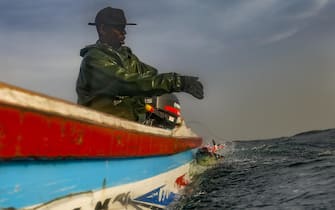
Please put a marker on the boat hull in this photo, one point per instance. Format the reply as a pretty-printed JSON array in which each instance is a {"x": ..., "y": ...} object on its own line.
[
  {"x": 35, "y": 134},
  {"x": 59, "y": 155},
  {"x": 40, "y": 127},
  {"x": 82, "y": 184}
]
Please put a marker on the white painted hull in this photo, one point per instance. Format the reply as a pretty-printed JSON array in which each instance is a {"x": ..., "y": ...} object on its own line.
[{"x": 144, "y": 194}]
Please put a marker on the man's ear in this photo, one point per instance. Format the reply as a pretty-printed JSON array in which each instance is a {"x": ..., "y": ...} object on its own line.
[{"x": 101, "y": 29}]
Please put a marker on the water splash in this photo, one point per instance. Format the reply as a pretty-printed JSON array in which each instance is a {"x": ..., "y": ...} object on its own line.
[{"x": 295, "y": 172}]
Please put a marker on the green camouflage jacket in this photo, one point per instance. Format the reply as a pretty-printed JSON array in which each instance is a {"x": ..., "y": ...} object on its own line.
[{"x": 116, "y": 81}]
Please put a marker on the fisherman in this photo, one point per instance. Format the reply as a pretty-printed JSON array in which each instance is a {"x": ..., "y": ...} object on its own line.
[{"x": 113, "y": 80}]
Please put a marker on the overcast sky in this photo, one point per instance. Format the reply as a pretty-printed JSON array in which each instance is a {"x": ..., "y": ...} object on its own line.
[{"x": 267, "y": 65}]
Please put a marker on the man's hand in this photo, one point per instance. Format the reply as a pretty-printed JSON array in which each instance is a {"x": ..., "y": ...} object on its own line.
[{"x": 192, "y": 86}]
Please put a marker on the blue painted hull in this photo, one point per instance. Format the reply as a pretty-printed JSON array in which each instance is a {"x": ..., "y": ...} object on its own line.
[{"x": 31, "y": 182}]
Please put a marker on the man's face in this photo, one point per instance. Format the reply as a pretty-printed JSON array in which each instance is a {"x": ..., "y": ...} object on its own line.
[{"x": 113, "y": 35}]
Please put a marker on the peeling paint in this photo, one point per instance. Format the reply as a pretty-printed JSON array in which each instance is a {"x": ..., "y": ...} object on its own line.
[
  {"x": 65, "y": 189},
  {"x": 3, "y": 200},
  {"x": 2, "y": 132},
  {"x": 18, "y": 151},
  {"x": 17, "y": 188},
  {"x": 104, "y": 183},
  {"x": 79, "y": 140}
]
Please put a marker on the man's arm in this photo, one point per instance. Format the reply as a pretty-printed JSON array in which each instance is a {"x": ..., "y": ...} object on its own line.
[
  {"x": 136, "y": 65},
  {"x": 108, "y": 76}
]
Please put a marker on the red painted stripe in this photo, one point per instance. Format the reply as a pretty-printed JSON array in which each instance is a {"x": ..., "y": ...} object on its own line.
[{"x": 29, "y": 133}]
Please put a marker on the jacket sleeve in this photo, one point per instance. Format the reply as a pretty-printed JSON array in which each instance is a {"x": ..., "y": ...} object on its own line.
[
  {"x": 136, "y": 65},
  {"x": 108, "y": 77}
]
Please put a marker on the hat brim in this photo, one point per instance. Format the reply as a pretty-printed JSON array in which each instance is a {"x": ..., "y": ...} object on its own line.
[{"x": 115, "y": 24}]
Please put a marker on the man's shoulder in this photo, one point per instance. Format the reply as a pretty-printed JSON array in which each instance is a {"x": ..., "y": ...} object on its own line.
[
  {"x": 125, "y": 50},
  {"x": 97, "y": 50},
  {"x": 86, "y": 49}
]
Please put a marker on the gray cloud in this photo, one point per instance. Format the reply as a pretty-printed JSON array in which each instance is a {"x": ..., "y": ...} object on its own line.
[{"x": 258, "y": 59}]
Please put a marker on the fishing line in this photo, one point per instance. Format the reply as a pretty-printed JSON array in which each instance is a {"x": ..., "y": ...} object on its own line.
[{"x": 209, "y": 131}]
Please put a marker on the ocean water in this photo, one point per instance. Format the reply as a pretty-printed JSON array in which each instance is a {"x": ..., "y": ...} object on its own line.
[{"x": 295, "y": 172}]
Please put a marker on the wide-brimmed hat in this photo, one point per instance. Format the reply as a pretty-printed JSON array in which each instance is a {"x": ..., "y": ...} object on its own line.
[{"x": 111, "y": 16}]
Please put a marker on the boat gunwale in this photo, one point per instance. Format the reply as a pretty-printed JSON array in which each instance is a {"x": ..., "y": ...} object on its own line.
[{"x": 29, "y": 100}]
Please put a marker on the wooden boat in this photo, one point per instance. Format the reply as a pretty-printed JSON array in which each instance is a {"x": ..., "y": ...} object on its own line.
[{"x": 59, "y": 155}]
